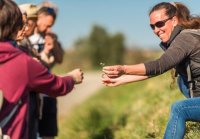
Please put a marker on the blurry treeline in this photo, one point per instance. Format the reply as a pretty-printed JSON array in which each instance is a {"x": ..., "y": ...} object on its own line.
[{"x": 100, "y": 46}]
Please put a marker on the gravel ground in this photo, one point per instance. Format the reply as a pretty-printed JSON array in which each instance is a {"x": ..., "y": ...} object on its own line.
[{"x": 91, "y": 83}]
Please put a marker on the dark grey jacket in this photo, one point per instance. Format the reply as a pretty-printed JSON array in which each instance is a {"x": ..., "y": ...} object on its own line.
[{"x": 183, "y": 46}]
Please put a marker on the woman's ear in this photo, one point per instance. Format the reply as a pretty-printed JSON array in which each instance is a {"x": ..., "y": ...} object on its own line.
[{"x": 175, "y": 21}]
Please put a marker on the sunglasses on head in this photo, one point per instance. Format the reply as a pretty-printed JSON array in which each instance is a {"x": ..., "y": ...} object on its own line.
[
  {"x": 50, "y": 10},
  {"x": 159, "y": 24}
]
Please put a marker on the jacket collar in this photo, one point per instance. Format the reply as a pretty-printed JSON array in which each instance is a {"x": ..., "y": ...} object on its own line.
[{"x": 175, "y": 32}]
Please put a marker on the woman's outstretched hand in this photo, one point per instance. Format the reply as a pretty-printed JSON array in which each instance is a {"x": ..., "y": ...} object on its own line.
[
  {"x": 114, "y": 71},
  {"x": 123, "y": 79}
]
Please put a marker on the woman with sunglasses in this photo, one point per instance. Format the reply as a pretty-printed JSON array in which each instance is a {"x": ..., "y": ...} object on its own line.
[{"x": 170, "y": 22}]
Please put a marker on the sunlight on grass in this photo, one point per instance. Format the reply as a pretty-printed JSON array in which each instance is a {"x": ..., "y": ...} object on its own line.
[{"x": 135, "y": 111}]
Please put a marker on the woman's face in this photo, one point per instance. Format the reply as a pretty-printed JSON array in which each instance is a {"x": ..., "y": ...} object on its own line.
[
  {"x": 21, "y": 33},
  {"x": 162, "y": 25},
  {"x": 31, "y": 23}
]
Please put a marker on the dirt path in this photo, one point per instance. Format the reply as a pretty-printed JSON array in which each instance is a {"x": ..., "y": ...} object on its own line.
[{"x": 91, "y": 83}]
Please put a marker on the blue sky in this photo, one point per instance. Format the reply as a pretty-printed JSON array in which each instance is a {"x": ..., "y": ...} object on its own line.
[{"x": 76, "y": 18}]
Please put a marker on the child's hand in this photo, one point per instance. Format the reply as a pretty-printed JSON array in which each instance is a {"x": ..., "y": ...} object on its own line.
[{"x": 77, "y": 75}]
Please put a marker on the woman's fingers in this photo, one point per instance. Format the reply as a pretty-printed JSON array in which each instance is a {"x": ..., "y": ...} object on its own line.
[
  {"x": 109, "y": 81},
  {"x": 113, "y": 71}
]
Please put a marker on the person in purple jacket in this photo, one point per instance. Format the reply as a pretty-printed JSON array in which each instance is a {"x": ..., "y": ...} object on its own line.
[{"x": 21, "y": 74}]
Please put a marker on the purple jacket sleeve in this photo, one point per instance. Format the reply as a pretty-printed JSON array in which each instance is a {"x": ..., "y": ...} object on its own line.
[{"x": 41, "y": 80}]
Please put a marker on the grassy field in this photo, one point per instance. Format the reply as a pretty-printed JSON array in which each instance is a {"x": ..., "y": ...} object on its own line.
[{"x": 134, "y": 111}]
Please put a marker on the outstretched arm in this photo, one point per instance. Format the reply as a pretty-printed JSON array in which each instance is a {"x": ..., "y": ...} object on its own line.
[
  {"x": 123, "y": 79},
  {"x": 118, "y": 70}
]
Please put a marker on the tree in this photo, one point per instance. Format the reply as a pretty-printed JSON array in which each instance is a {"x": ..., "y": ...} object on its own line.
[
  {"x": 98, "y": 41},
  {"x": 100, "y": 46},
  {"x": 117, "y": 49}
]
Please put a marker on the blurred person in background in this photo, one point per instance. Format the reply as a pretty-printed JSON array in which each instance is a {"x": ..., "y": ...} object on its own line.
[
  {"x": 31, "y": 12},
  {"x": 179, "y": 33},
  {"x": 45, "y": 19},
  {"x": 48, "y": 52},
  {"x": 51, "y": 54},
  {"x": 41, "y": 19},
  {"x": 21, "y": 33},
  {"x": 21, "y": 74},
  {"x": 25, "y": 45}
]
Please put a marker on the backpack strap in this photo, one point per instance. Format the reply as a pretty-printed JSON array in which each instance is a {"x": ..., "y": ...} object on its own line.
[
  {"x": 1, "y": 99},
  {"x": 7, "y": 119},
  {"x": 4, "y": 121},
  {"x": 191, "y": 82}
]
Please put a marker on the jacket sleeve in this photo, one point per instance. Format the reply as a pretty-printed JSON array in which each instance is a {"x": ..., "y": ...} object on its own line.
[
  {"x": 42, "y": 81},
  {"x": 179, "y": 50}
]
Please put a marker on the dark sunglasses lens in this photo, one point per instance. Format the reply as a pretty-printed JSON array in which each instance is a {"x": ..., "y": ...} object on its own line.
[
  {"x": 160, "y": 24},
  {"x": 152, "y": 26}
]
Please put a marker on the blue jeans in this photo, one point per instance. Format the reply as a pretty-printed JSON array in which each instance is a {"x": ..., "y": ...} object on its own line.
[{"x": 182, "y": 111}]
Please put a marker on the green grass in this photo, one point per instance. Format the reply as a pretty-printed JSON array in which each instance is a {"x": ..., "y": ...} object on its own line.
[{"x": 134, "y": 111}]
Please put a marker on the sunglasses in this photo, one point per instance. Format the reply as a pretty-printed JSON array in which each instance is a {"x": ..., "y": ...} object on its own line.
[
  {"x": 159, "y": 24},
  {"x": 50, "y": 10}
]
